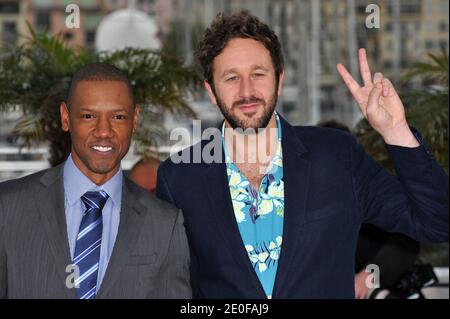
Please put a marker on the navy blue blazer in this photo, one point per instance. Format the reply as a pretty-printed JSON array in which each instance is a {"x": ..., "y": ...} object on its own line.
[{"x": 332, "y": 186}]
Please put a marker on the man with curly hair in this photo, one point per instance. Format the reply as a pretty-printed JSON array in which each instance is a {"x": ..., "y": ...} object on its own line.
[{"x": 278, "y": 215}]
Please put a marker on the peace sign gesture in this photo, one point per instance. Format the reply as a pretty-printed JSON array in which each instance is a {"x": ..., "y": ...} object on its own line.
[{"x": 379, "y": 103}]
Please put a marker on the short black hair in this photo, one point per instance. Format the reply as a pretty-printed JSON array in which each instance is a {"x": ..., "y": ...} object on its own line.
[
  {"x": 98, "y": 72},
  {"x": 226, "y": 27}
]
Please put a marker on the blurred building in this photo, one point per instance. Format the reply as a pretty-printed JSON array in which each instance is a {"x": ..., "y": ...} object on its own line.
[
  {"x": 12, "y": 21},
  {"x": 316, "y": 35},
  {"x": 50, "y": 15}
]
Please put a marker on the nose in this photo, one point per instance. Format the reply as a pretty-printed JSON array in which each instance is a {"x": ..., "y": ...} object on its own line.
[
  {"x": 246, "y": 89},
  {"x": 103, "y": 129}
]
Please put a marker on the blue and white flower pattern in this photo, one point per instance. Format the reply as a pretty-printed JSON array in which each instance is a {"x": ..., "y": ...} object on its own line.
[{"x": 259, "y": 215}]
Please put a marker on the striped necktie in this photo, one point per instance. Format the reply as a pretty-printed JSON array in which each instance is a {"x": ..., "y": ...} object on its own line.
[{"x": 87, "y": 247}]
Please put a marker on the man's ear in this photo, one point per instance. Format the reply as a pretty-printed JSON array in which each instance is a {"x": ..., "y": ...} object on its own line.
[
  {"x": 211, "y": 95},
  {"x": 137, "y": 109},
  {"x": 280, "y": 82},
  {"x": 64, "y": 113}
]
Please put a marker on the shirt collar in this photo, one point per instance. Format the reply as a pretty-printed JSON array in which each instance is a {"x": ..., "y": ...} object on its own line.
[{"x": 76, "y": 184}]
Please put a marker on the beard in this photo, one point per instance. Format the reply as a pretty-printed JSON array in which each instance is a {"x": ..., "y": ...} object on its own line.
[{"x": 250, "y": 121}]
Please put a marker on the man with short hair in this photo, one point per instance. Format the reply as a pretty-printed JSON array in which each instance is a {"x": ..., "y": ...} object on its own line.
[
  {"x": 278, "y": 214},
  {"x": 82, "y": 229}
]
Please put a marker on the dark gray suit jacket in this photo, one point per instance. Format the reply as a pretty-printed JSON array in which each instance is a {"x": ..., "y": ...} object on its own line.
[{"x": 150, "y": 258}]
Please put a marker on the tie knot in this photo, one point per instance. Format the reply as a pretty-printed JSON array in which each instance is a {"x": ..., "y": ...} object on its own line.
[{"x": 95, "y": 199}]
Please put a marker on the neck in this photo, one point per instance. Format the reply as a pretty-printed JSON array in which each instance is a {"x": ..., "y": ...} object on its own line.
[
  {"x": 100, "y": 179},
  {"x": 97, "y": 178},
  {"x": 256, "y": 148}
]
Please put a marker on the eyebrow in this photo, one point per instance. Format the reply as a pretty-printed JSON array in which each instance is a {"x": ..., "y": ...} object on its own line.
[
  {"x": 260, "y": 67},
  {"x": 254, "y": 67},
  {"x": 84, "y": 109}
]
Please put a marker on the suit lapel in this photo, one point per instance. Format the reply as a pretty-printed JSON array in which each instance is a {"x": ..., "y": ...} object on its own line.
[
  {"x": 296, "y": 178},
  {"x": 129, "y": 229},
  {"x": 49, "y": 201},
  {"x": 220, "y": 205}
]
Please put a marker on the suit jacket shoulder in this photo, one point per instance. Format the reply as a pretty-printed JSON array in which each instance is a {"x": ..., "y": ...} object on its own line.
[
  {"x": 19, "y": 191},
  {"x": 22, "y": 184}
]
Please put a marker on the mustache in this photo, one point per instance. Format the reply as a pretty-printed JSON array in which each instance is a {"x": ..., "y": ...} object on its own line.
[{"x": 250, "y": 100}]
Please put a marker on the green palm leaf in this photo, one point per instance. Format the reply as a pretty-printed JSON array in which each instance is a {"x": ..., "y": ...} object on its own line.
[{"x": 35, "y": 78}]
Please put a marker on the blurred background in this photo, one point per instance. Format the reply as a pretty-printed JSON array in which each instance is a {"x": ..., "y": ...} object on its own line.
[{"x": 42, "y": 45}]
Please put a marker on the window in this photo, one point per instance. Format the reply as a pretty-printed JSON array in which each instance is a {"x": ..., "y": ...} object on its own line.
[
  {"x": 443, "y": 26},
  {"x": 410, "y": 9},
  {"x": 90, "y": 38},
  {"x": 406, "y": 7},
  {"x": 43, "y": 20},
  {"x": 443, "y": 45},
  {"x": 68, "y": 36},
  {"x": 9, "y": 26},
  {"x": 389, "y": 26},
  {"x": 9, "y": 34},
  {"x": 9, "y": 7},
  {"x": 360, "y": 9}
]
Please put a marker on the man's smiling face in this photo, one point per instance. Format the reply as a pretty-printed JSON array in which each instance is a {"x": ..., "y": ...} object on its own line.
[
  {"x": 245, "y": 85},
  {"x": 101, "y": 120}
]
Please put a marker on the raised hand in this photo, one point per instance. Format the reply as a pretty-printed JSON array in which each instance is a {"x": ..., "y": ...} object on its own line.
[{"x": 379, "y": 103}]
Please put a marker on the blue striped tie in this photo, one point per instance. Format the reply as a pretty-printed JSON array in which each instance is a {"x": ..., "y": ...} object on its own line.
[{"x": 87, "y": 247}]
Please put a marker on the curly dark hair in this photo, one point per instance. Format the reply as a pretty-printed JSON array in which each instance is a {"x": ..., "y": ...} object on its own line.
[{"x": 238, "y": 25}]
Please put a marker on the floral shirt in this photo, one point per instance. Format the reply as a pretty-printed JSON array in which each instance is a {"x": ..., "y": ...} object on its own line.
[{"x": 260, "y": 213}]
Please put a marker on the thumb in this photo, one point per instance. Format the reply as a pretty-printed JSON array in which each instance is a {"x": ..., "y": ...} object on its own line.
[{"x": 374, "y": 97}]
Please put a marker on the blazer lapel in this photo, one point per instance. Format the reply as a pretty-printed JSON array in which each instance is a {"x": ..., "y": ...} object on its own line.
[
  {"x": 221, "y": 206},
  {"x": 49, "y": 201},
  {"x": 296, "y": 177},
  {"x": 129, "y": 228}
]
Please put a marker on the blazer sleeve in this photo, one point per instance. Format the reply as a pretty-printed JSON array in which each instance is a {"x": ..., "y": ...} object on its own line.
[
  {"x": 162, "y": 188},
  {"x": 414, "y": 202},
  {"x": 174, "y": 278},
  {"x": 3, "y": 261},
  {"x": 163, "y": 192}
]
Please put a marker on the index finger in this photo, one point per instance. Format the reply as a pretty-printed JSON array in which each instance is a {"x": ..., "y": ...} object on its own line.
[{"x": 352, "y": 85}]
